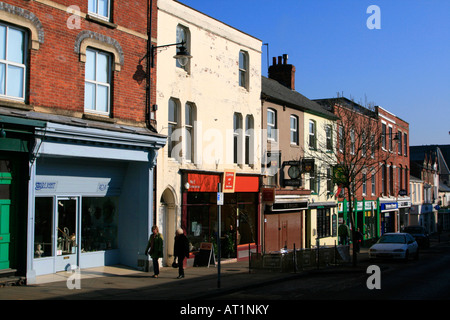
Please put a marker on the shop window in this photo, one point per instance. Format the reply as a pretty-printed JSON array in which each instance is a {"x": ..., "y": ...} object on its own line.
[
  {"x": 323, "y": 223},
  {"x": 99, "y": 224},
  {"x": 12, "y": 62},
  {"x": 43, "y": 227}
]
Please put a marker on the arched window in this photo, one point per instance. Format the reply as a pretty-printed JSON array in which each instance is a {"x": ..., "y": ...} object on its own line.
[
  {"x": 249, "y": 140},
  {"x": 243, "y": 69}
]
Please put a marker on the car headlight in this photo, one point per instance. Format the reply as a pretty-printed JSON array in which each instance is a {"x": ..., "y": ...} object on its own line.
[{"x": 399, "y": 250}]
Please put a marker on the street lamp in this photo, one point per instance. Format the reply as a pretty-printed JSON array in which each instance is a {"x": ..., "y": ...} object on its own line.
[{"x": 182, "y": 55}]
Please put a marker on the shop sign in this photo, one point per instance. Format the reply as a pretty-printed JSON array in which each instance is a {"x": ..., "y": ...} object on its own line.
[
  {"x": 202, "y": 182},
  {"x": 229, "y": 181},
  {"x": 389, "y": 206},
  {"x": 290, "y": 206}
]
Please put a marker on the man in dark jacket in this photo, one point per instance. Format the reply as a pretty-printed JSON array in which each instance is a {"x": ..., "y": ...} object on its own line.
[{"x": 181, "y": 250}]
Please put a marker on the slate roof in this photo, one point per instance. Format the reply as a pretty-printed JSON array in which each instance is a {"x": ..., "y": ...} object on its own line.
[{"x": 273, "y": 91}]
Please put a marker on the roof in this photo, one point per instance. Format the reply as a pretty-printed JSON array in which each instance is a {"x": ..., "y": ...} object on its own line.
[
  {"x": 273, "y": 91},
  {"x": 347, "y": 103},
  {"x": 40, "y": 117},
  {"x": 417, "y": 154}
]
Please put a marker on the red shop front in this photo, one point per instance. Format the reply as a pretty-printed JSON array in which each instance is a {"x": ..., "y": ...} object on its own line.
[{"x": 240, "y": 213}]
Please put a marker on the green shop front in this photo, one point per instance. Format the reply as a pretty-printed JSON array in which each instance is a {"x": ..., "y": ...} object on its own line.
[
  {"x": 366, "y": 213},
  {"x": 16, "y": 152}
]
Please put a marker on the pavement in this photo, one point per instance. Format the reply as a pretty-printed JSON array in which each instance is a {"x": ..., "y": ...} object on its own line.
[{"x": 200, "y": 283}]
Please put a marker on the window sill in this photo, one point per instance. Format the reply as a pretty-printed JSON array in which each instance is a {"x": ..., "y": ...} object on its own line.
[
  {"x": 105, "y": 23},
  {"x": 4, "y": 102},
  {"x": 97, "y": 117}
]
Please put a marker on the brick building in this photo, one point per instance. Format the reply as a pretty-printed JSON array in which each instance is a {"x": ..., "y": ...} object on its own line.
[
  {"x": 377, "y": 141},
  {"x": 78, "y": 147}
]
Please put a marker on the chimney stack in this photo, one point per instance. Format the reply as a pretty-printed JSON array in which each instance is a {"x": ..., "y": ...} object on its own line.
[{"x": 283, "y": 72}]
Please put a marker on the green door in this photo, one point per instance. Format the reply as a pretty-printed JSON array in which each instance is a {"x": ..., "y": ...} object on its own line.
[{"x": 5, "y": 203}]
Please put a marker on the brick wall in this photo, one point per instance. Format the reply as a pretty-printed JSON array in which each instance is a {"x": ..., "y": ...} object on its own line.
[{"x": 56, "y": 75}]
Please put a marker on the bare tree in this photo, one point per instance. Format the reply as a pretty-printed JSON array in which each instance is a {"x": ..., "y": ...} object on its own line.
[{"x": 356, "y": 139}]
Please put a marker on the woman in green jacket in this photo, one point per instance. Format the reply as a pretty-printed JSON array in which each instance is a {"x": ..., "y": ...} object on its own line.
[{"x": 155, "y": 249}]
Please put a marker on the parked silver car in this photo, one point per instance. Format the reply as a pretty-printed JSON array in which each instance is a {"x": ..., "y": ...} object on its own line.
[{"x": 394, "y": 246}]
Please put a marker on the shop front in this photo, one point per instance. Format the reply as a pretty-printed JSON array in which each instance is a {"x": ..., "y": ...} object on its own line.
[
  {"x": 90, "y": 196},
  {"x": 388, "y": 217},
  {"x": 366, "y": 217},
  {"x": 284, "y": 221},
  {"x": 239, "y": 223}
]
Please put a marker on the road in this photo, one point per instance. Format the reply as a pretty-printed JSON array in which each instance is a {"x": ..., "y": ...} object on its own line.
[{"x": 425, "y": 279}]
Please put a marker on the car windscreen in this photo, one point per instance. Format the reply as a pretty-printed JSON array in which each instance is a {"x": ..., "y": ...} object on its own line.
[
  {"x": 392, "y": 238},
  {"x": 414, "y": 230}
]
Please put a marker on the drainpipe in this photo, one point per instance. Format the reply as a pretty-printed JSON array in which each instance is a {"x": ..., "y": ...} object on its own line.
[{"x": 148, "y": 104}]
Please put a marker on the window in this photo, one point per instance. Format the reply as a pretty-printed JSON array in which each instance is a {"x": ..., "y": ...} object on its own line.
[
  {"x": 243, "y": 69},
  {"x": 97, "y": 83},
  {"x": 294, "y": 130},
  {"x": 271, "y": 125},
  {"x": 329, "y": 180},
  {"x": 391, "y": 148},
  {"x": 183, "y": 35},
  {"x": 173, "y": 123},
  {"x": 391, "y": 179},
  {"x": 383, "y": 179},
  {"x": 374, "y": 191},
  {"x": 312, "y": 134},
  {"x": 189, "y": 119},
  {"x": 323, "y": 223},
  {"x": 341, "y": 139},
  {"x": 363, "y": 145},
  {"x": 12, "y": 62},
  {"x": 364, "y": 183},
  {"x": 352, "y": 142},
  {"x": 329, "y": 138},
  {"x": 237, "y": 132},
  {"x": 405, "y": 144},
  {"x": 383, "y": 136},
  {"x": 249, "y": 136},
  {"x": 313, "y": 181},
  {"x": 100, "y": 8},
  {"x": 400, "y": 143},
  {"x": 372, "y": 146}
]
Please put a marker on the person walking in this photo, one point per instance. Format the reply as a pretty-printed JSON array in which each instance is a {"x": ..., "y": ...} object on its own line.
[
  {"x": 181, "y": 250},
  {"x": 155, "y": 249}
]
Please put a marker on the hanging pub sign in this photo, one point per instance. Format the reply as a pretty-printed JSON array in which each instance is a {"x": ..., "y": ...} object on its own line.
[
  {"x": 308, "y": 166},
  {"x": 338, "y": 175}
]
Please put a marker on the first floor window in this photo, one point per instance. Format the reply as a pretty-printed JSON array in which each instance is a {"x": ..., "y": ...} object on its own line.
[
  {"x": 294, "y": 130},
  {"x": 100, "y": 8},
  {"x": 12, "y": 62},
  {"x": 97, "y": 82}
]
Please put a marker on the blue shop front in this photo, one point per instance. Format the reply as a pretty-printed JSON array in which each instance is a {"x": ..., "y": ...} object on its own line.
[{"x": 90, "y": 197}]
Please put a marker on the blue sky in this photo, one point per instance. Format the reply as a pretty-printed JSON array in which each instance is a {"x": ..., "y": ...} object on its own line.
[{"x": 403, "y": 67}]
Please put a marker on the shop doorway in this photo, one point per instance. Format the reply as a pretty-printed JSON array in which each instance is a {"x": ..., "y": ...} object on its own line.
[{"x": 66, "y": 234}]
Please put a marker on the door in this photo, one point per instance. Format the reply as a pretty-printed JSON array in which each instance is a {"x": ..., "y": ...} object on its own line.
[
  {"x": 5, "y": 204},
  {"x": 66, "y": 234}
]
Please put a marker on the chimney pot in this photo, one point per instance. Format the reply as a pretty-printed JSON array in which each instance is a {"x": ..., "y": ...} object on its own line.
[
  {"x": 279, "y": 60},
  {"x": 285, "y": 58}
]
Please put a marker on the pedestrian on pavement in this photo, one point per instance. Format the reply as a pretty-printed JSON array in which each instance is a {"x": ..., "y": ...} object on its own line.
[
  {"x": 181, "y": 250},
  {"x": 344, "y": 233},
  {"x": 155, "y": 249},
  {"x": 357, "y": 241}
]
